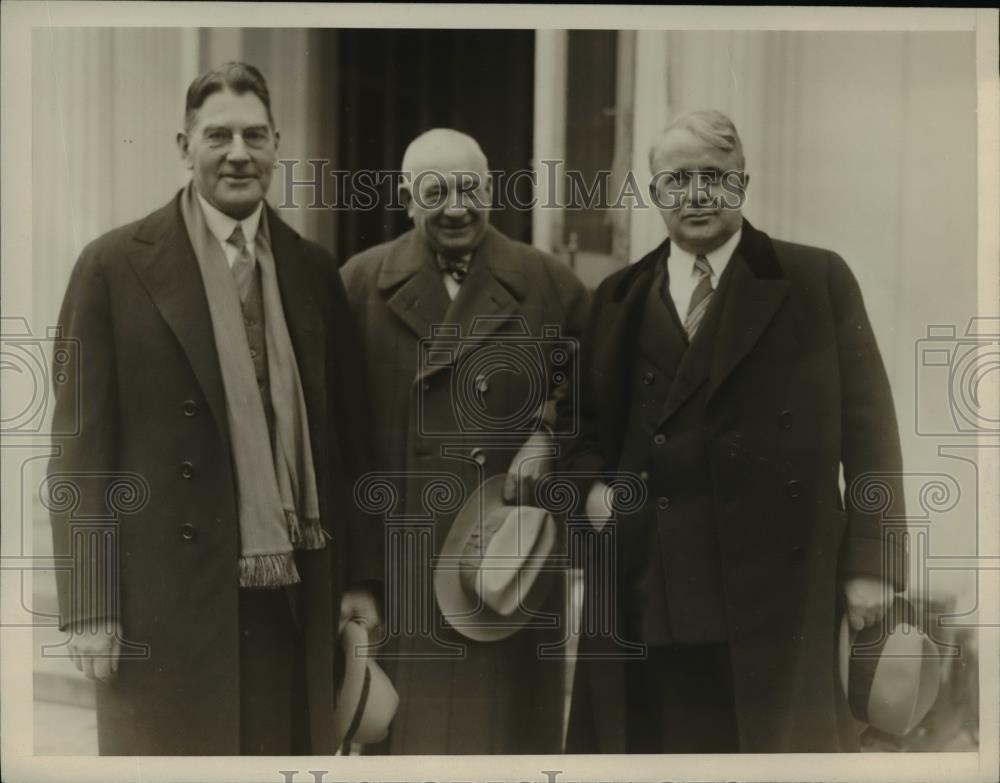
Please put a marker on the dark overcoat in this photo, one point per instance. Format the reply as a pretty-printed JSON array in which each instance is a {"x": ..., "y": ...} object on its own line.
[
  {"x": 442, "y": 424},
  {"x": 794, "y": 389},
  {"x": 152, "y": 416}
]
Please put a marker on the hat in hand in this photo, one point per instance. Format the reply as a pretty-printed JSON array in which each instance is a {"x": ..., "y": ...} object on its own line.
[
  {"x": 491, "y": 571},
  {"x": 366, "y": 701},
  {"x": 890, "y": 671}
]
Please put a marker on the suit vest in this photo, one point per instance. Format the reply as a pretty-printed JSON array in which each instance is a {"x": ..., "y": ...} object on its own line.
[{"x": 669, "y": 552}]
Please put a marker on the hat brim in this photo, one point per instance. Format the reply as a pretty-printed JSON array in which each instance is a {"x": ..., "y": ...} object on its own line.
[
  {"x": 366, "y": 701},
  {"x": 468, "y": 614},
  {"x": 894, "y": 688}
]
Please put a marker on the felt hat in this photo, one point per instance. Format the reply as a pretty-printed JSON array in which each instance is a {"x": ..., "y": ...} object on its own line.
[
  {"x": 491, "y": 572},
  {"x": 366, "y": 700},
  {"x": 890, "y": 671}
]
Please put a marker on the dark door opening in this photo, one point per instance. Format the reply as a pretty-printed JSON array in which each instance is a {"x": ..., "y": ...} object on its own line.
[{"x": 395, "y": 84}]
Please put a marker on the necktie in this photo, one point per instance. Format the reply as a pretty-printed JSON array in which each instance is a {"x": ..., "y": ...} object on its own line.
[
  {"x": 242, "y": 268},
  {"x": 458, "y": 268},
  {"x": 700, "y": 297}
]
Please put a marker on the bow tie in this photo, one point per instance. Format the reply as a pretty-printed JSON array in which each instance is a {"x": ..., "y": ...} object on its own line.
[{"x": 458, "y": 268}]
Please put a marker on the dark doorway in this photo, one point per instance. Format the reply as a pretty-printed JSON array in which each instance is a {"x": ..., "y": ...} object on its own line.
[{"x": 395, "y": 84}]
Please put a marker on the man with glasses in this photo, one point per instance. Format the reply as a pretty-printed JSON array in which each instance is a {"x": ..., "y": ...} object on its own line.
[
  {"x": 214, "y": 344},
  {"x": 460, "y": 324},
  {"x": 734, "y": 375}
]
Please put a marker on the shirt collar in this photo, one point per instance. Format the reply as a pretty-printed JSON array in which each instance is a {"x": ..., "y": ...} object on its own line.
[
  {"x": 717, "y": 259},
  {"x": 221, "y": 225},
  {"x": 464, "y": 256}
]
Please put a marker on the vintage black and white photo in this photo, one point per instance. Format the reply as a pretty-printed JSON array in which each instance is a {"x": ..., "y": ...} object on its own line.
[{"x": 496, "y": 390}]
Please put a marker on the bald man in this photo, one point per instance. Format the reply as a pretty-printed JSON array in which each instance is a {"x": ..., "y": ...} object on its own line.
[{"x": 458, "y": 695}]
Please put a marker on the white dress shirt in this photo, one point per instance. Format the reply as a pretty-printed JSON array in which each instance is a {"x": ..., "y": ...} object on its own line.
[
  {"x": 684, "y": 278},
  {"x": 221, "y": 226}
]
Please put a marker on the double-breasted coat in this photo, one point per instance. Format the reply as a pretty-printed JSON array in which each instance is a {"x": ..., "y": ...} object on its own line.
[
  {"x": 793, "y": 388},
  {"x": 151, "y": 421},
  {"x": 446, "y": 396}
]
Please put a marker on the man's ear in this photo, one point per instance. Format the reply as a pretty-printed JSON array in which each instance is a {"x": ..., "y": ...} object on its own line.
[
  {"x": 277, "y": 138},
  {"x": 405, "y": 196},
  {"x": 184, "y": 145}
]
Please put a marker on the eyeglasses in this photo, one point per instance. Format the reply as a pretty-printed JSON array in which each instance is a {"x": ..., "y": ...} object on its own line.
[
  {"x": 256, "y": 137},
  {"x": 665, "y": 181},
  {"x": 671, "y": 188}
]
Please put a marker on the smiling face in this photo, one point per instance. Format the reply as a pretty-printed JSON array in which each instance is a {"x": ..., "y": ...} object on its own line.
[
  {"x": 700, "y": 216},
  {"x": 231, "y": 149},
  {"x": 449, "y": 192}
]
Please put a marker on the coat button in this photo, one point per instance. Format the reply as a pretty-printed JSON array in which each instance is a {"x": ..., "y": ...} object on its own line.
[
  {"x": 659, "y": 439},
  {"x": 797, "y": 552},
  {"x": 648, "y": 378},
  {"x": 793, "y": 488},
  {"x": 785, "y": 420},
  {"x": 253, "y": 353},
  {"x": 188, "y": 532},
  {"x": 663, "y": 504},
  {"x": 426, "y": 386},
  {"x": 190, "y": 407},
  {"x": 644, "y": 475},
  {"x": 187, "y": 470}
]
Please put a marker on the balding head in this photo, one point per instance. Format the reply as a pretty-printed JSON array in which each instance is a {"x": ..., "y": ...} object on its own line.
[
  {"x": 443, "y": 150},
  {"x": 447, "y": 191}
]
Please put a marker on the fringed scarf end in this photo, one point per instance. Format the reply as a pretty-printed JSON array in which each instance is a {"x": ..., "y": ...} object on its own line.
[
  {"x": 274, "y": 570},
  {"x": 305, "y": 533}
]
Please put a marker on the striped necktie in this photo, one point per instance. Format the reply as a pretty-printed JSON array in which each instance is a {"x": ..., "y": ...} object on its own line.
[
  {"x": 700, "y": 297},
  {"x": 243, "y": 265}
]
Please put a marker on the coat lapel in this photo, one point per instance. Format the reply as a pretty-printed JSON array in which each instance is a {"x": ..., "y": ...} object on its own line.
[
  {"x": 489, "y": 297},
  {"x": 421, "y": 300},
  {"x": 302, "y": 312},
  {"x": 611, "y": 364},
  {"x": 750, "y": 291},
  {"x": 661, "y": 338},
  {"x": 757, "y": 289},
  {"x": 164, "y": 260}
]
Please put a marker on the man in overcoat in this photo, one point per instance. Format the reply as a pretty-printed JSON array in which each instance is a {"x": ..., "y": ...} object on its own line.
[
  {"x": 734, "y": 376},
  {"x": 436, "y": 307},
  {"x": 216, "y": 380}
]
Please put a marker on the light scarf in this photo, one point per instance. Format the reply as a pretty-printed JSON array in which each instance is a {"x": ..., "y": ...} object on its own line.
[{"x": 276, "y": 488}]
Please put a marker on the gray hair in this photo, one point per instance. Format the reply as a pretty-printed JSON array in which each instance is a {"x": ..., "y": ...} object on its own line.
[{"x": 709, "y": 125}]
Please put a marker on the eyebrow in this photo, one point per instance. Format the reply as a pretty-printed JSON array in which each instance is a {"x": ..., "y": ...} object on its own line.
[{"x": 260, "y": 126}]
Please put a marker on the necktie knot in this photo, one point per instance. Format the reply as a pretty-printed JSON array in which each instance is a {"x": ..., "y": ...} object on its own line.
[
  {"x": 458, "y": 268},
  {"x": 702, "y": 267},
  {"x": 243, "y": 265},
  {"x": 237, "y": 239}
]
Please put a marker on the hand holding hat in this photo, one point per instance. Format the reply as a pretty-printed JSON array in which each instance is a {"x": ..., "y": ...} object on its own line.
[
  {"x": 530, "y": 465},
  {"x": 890, "y": 672}
]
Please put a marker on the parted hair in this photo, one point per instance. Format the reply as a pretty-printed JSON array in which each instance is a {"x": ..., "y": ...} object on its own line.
[
  {"x": 236, "y": 77},
  {"x": 709, "y": 125}
]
